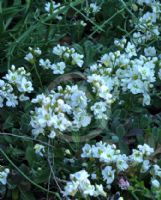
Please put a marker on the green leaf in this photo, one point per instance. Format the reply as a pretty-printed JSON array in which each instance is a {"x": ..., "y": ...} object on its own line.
[
  {"x": 8, "y": 123},
  {"x": 120, "y": 131},
  {"x": 116, "y": 113},
  {"x": 123, "y": 147},
  {"x": 25, "y": 123},
  {"x": 42, "y": 176},
  {"x": 76, "y": 138},
  {"x": 30, "y": 155}
]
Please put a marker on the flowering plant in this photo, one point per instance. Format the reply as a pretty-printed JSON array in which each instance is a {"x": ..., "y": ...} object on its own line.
[{"x": 80, "y": 99}]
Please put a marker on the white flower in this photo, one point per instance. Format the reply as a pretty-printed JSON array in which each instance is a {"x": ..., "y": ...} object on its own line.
[
  {"x": 81, "y": 175},
  {"x": 53, "y": 8},
  {"x": 4, "y": 175},
  {"x": 46, "y": 64},
  {"x": 2, "y": 83},
  {"x": 25, "y": 85},
  {"x": 148, "y": 2},
  {"x": 36, "y": 130},
  {"x": 137, "y": 156},
  {"x": 155, "y": 183},
  {"x": 87, "y": 189},
  {"x": 22, "y": 97},
  {"x": 81, "y": 119},
  {"x": 37, "y": 51},
  {"x": 146, "y": 99},
  {"x": 52, "y": 134},
  {"x": 107, "y": 59},
  {"x": 120, "y": 43},
  {"x": 39, "y": 149},
  {"x": 146, "y": 149},
  {"x": 100, "y": 191},
  {"x": 94, "y": 7},
  {"x": 138, "y": 38},
  {"x": 78, "y": 98},
  {"x": 94, "y": 67},
  {"x": 130, "y": 50},
  {"x": 11, "y": 100},
  {"x": 86, "y": 151},
  {"x": 145, "y": 166},
  {"x": 83, "y": 23},
  {"x": 29, "y": 57},
  {"x": 136, "y": 86},
  {"x": 58, "y": 68},
  {"x": 60, "y": 122},
  {"x": 105, "y": 93},
  {"x": 93, "y": 176},
  {"x": 71, "y": 188},
  {"x": 59, "y": 50},
  {"x": 108, "y": 174},
  {"x": 102, "y": 86},
  {"x": 157, "y": 170},
  {"x": 121, "y": 162},
  {"x": 77, "y": 59},
  {"x": 100, "y": 110},
  {"x": 120, "y": 198},
  {"x": 150, "y": 51}
]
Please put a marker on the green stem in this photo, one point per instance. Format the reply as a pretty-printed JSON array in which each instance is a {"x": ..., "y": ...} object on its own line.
[
  {"x": 24, "y": 175},
  {"x": 26, "y": 138},
  {"x": 38, "y": 75}
]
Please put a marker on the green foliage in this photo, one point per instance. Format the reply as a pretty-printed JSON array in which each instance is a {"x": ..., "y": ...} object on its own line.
[{"x": 24, "y": 24}]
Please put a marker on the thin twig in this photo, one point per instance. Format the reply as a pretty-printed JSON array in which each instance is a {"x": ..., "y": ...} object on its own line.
[{"x": 24, "y": 175}]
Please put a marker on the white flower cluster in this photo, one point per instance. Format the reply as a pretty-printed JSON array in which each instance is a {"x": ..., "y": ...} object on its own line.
[
  {"x": 101, "y": 85},
  {"x": 116, "y": 162},
  {"x": 100, "y": 110},
  {"x": 150, "y": 51},
  {"x": 57, "y": 68},
  {"x": 3, "y": 176},
  {"x": 123, "y": 70},
  {"x": 148, "y": 24},
  {"x": 80, "y": 183},
  {"x": 59, "y": 111},
  {"x": 69, "y": 54},
  {"x": 140, "y": 155},
  {"x": 32, "y": 54},
  {"x": 66, "y": 55},
  {"x": 14, "y": 86},
  {"x": 92, "y": 9},
  {"x": 147, "y": 2},
  {"x": 156, "y": 179},
  {"x": 54, "y": 8},
  {"x": 139, "y": 77}
]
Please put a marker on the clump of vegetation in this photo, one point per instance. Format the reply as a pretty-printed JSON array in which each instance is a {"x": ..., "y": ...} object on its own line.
[{"x": 80, "y": 108}]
